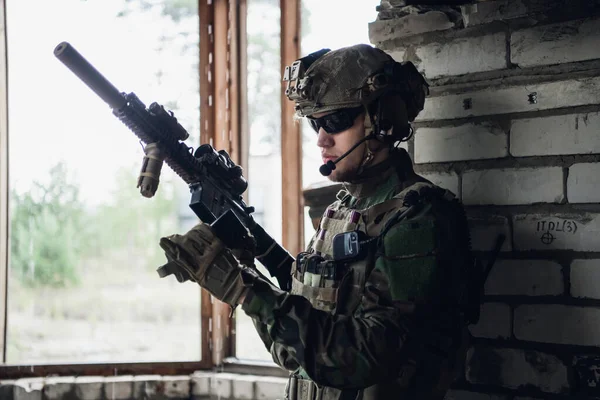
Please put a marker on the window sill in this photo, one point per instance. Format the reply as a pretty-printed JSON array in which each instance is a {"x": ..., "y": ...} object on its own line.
[{"x": 196, "y": 386}]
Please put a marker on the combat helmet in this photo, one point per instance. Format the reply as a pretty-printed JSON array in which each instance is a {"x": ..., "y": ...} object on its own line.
[{"x": 359, "y": 76}]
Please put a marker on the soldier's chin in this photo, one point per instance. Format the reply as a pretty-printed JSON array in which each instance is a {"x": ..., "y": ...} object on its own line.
[{"x": 339, "y": 176}]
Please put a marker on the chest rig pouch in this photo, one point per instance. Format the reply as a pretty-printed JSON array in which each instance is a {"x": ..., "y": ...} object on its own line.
[
  {"x": 350, "y": 246},
  {"x": 331, "y": 274}
]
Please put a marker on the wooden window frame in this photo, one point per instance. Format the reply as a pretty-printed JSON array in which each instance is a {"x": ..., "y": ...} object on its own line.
[
  {"x": 223, "y": 113},
  {"x": 291, "y": 135},
  {"x": 3, "y": 182},
  {"x": 219, "y": 74}
]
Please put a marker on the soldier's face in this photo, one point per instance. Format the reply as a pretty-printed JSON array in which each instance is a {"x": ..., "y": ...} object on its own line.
[{"x": 334, "y": 145}]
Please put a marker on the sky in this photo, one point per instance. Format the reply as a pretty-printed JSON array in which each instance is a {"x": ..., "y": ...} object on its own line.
[{"x": 338, "y": 23}]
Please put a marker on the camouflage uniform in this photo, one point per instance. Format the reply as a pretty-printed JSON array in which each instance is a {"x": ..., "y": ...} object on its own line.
[
  {"x": 389, "y": 323},
  {"x": 388, "y": 326}
]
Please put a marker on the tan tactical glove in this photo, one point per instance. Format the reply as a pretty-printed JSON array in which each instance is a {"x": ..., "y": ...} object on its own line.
[{"x": 203, "y": 256}]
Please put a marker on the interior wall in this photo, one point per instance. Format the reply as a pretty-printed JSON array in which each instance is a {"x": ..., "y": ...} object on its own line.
[{"x": 511, "y": 126}]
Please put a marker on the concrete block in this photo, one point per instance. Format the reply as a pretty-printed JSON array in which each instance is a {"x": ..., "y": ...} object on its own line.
[
  {"x": 177, "y": 387},
  {"x": 557, "y": 323},
  {"x": 527, "y": 398},
  {"x": 560, "y": 134},
  {"x": 513, "y": 99},
  {"x": 473, "y": 141},
  {"x": 21, "y": 393},
  {"x": 583, "y": 182},
  {"x": 525, "y": 278},
  {"x": 200, "y": 385},
  {"x": 7, "y": 388},
  {"x": 118, "y": 387},
  {"x": 564, "y": 42},
  {"x": 485, "y": 229},
  {"x": 89, "y": 387},
  {"x": 464, "y": 395},
  {"x": 243, "y": 387},
  {"x": 397, "y": 55},
  {"x": 59, "y": 388},
  {"x": 536, "y": 11},
  {"x": 409, "y": 25},
  {"x": 585, "y": 279},
  {"x": 516, "y": 368},
  {"x": 462, "y": 56},
  {"x": 22, "y": 389},
  {"x": 270, "y": 388},
  {"x": 444, "y": 180},
  {"x": 147, "y": 386},
  {"x": 494, "y": 322},
  {"x": 221, "y": 385},
  {"x": 513, "y": 186},
  {"x": 490, "y": 11},
  {"x": 577, "y": 232},
  {"x": 587, "y": 370}
]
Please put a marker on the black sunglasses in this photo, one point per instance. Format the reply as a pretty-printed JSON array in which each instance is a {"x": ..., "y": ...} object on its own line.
[{"x": 336, "y": 122}]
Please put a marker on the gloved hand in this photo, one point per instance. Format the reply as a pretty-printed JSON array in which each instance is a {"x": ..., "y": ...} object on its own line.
[{"x": 205, "y": 259}]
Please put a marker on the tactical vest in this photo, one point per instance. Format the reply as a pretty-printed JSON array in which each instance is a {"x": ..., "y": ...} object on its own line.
[{"x": 338, "y": 289}]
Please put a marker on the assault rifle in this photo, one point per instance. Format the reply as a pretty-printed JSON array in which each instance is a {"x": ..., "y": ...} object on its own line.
[{"x": 215, "y": 181}]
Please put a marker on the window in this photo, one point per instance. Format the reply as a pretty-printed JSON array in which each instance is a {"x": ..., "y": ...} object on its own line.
[{"x": 83, "y": 241}]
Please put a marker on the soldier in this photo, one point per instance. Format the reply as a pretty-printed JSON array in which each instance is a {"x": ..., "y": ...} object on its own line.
[{"x": 378, "y": 305}]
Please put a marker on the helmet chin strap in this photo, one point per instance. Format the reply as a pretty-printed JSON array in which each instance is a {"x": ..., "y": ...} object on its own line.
[
  {"x": 367, "y": 159},
  {"x": 368, "y": 154}
]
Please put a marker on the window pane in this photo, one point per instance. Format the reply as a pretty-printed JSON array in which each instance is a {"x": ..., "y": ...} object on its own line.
[
  {"x": 319, "y": 30},
  {"x": 84, "y": 242},
  {"x": 264, "y": 120}
]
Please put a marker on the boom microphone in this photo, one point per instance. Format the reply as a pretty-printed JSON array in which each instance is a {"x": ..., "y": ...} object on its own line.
[{"x": 329, "y": 166}]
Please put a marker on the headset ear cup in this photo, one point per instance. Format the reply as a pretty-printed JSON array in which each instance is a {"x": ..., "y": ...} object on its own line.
[{"x": 394, "y": 119}]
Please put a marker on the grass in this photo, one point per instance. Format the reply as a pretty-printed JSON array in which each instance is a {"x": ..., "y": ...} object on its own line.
[{"x": 121, "y": 312}]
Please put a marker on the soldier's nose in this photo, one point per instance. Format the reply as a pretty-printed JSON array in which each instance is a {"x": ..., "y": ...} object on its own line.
[{"x": 324, "y": 139}]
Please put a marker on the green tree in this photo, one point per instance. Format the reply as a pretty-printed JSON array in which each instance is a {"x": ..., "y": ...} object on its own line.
[
  {"x": 48, "y": 231},
  {"x": 129, "y": 222}
]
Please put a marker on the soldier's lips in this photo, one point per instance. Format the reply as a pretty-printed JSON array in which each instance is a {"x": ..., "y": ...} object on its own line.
[{"x": 328, "y": 158}]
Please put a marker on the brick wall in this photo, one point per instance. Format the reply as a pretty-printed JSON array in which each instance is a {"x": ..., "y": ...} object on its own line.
[{"x": 512, "y": 126}]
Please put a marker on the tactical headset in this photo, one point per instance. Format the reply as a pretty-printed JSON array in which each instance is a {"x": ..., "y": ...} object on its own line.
[{"x": 392, "y": 97}]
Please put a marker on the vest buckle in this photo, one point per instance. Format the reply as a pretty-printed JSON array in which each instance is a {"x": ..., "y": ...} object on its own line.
[{"x": 303, "y": 389}]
